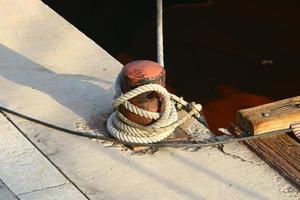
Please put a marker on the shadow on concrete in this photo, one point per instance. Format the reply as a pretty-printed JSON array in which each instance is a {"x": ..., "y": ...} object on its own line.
[
  {"x": 236, "y": 186},
  {"x": 183, "y": 190},
  {"x": 65, "y": 88},
  {"x": 73, "y": 91}
]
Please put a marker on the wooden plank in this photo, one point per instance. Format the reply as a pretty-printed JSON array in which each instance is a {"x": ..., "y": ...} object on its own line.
[
  {"x": 281, "y": 152},
  {"x": 284, "y": 161},
  {"x": 270, "y": 117}
]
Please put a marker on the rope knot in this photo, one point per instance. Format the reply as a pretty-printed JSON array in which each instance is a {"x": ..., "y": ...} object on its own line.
[{"x": 165, "y": 122}]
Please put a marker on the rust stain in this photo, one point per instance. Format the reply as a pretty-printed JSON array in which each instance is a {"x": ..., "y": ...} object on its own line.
[{"x": 138, "y": 73}]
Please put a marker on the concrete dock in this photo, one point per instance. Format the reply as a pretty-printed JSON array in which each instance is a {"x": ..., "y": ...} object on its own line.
[{"x": 51, "y": 71}]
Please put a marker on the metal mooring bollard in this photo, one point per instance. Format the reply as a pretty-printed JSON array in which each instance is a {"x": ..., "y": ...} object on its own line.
[{"x": 139, "y": 73}]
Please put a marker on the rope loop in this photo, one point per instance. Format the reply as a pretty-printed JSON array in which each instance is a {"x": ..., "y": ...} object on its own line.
[{"x": 165, "y": 123}]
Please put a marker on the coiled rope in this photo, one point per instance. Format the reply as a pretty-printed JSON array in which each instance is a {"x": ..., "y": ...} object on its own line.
[{"x": 166, "y": 122}]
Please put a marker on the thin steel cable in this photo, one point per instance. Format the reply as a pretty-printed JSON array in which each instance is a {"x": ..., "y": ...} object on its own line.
[{"x": 177, "y": 144}]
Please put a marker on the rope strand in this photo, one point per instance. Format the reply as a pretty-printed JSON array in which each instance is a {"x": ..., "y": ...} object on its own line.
[{"x": 166, "y": 122}]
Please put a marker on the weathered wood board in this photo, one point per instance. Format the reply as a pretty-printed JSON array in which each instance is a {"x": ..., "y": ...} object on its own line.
[
  {"x": 270, "y": 117},
  {"x": 281, "y": 152}
]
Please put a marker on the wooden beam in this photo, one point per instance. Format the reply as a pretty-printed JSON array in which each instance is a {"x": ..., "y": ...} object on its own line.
[
  {"x": 270, "y": 117},
  {"x": 281, "y": 152}
]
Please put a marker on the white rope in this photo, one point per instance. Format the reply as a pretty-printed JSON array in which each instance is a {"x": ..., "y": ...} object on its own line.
[
  {"x": 124, "y": 129},
  {"x": 296, "y": 129}
]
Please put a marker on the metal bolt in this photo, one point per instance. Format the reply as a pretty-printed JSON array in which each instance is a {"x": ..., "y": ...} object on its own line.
[
  {"x": 266, "y": 114},
  {"x": 266, "y": 62}
]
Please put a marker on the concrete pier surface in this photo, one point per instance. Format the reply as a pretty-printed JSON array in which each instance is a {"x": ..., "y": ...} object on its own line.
[{"x": 51, "y": 71}]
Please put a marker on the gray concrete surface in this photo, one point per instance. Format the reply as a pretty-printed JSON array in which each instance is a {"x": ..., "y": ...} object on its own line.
[
  {"x": 51, "y": 71},
  {"x": 65, "y": 192},
  {"x": 6, "y": 193},
  {"x": 25, "y": 170}
]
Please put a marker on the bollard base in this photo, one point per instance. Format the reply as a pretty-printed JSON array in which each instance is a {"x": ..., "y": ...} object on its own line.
[{"x": 190, "y": 130}]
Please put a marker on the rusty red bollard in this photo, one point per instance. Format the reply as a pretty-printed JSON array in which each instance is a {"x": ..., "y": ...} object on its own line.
[{"x": 139, "y": 73}]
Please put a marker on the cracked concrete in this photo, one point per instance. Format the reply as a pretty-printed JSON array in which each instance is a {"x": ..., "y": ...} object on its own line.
[
  {"x": 239, "y": 157},
  {"x": 38, "y": 190},
  {"x": 64, "y": 191}
]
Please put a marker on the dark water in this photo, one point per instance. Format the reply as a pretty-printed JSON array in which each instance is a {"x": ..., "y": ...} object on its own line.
[{"x": 228, "y": 55}]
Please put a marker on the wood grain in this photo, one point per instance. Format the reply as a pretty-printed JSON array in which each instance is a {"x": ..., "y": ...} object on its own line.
[
  {"x": 282, "y": 152},
  {"x": 270, "y": 117}
]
